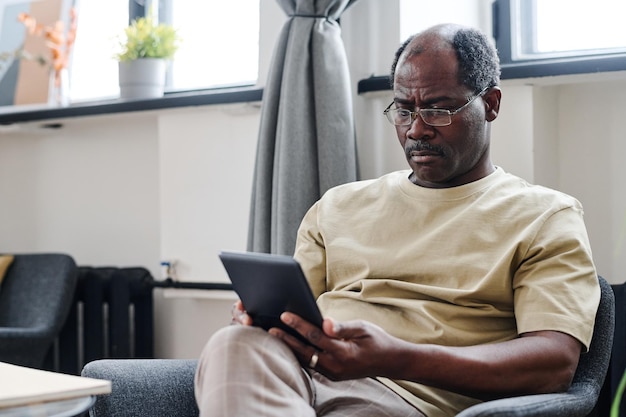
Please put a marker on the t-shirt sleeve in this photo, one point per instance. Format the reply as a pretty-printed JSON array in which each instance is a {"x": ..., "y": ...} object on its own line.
[
  {"x": 310, "y": 251},
  {"x": 556, "y": 286}
]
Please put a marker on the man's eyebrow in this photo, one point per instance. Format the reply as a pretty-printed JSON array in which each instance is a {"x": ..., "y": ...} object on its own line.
[
  {"x": 429, "y": 102},
  {"x": 402, "y": 101}
]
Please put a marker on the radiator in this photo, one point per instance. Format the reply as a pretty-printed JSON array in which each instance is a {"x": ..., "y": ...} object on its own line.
[{"x": 111, "y": 317}]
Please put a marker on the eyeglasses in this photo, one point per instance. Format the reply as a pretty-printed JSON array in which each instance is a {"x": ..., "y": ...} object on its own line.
[{"x": 432, "y": 117}]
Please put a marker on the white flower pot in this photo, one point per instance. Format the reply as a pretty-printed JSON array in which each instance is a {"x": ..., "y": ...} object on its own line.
[{"x": 142, "y": 78}]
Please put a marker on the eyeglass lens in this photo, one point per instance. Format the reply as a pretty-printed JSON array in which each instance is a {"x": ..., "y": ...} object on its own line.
[{"x": 433, "y": 117}]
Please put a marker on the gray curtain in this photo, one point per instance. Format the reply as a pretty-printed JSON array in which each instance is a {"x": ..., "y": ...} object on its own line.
[{"x": 306, "y": 141}]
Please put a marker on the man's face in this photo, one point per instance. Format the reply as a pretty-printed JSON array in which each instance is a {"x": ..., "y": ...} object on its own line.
[{"x": 443, "y": 156}]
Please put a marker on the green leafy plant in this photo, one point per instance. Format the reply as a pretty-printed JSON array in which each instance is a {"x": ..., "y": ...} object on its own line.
[
  {"x": 145, "y": 39},
  {"x": 618, "y": 396}
]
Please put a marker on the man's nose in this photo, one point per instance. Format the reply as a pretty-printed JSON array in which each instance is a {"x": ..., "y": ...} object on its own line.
[{"x": 419, "y": 129}]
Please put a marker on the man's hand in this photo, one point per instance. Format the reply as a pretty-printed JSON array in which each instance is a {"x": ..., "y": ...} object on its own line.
[
  {"x": 347, "y": 350},
  {"x": 239, "y": 314}
]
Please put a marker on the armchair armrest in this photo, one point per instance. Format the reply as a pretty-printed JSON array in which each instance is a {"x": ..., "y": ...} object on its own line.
[
  {"x": 145, "y": 387},
  {"x": 577, "y": 402}
]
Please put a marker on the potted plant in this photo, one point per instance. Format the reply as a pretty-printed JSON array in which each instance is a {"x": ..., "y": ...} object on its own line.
[{"x": 145, "y": 49}]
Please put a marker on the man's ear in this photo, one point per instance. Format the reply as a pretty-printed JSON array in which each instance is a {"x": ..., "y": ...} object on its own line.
[{"x": 492, "y": 103}]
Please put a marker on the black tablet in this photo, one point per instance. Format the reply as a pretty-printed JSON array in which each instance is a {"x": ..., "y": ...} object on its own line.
[{"x": 268, "y": 285}]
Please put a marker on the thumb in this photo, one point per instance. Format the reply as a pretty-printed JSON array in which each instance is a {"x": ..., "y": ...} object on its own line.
[{"x": 342, "y": 330}]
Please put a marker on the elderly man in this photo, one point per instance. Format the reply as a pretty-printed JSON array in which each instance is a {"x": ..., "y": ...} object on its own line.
[{"x": 443, "y": 285}]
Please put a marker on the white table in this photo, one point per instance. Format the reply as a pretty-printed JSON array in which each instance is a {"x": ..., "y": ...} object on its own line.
[
  {"x": 61, "y": 408},
  {"x": 27, "y": 392}
]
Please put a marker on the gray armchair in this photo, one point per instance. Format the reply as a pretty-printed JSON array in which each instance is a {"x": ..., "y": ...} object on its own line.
[
  {"x": 35, "y": 299},
  {"x": 165, "y": 387}
]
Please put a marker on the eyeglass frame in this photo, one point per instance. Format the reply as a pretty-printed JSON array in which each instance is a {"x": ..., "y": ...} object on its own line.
[{"x": 449, "y": 113}]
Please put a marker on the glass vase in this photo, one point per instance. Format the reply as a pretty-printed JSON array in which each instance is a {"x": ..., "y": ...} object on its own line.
[{"x": 58, "y": 88}]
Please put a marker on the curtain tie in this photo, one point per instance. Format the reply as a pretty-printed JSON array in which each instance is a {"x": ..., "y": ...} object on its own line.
[{"x": 312, "y": 16}]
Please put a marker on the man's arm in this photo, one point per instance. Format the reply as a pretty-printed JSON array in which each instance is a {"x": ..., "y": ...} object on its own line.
[{"x": 537, "y": 362}]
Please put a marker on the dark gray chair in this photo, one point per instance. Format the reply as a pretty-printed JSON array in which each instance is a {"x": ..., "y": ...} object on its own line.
[
  {"x": 35, "y": 298},
  {"x": 151, "y": 387}
]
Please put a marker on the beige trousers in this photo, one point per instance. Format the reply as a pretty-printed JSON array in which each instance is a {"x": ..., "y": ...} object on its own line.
[{"x": 245, "y": 372}]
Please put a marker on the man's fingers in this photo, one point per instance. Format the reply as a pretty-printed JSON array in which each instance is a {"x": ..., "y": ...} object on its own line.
[
  {"x": 239, "y": 315},
  {"x": 312, "y": 333}
]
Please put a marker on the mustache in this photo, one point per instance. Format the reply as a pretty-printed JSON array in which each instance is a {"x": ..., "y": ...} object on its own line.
[{"x": 423, "y": 146}]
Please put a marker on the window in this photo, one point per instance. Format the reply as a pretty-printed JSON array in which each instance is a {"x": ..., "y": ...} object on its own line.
[
  {"x": 93, "y": 71},
  {"x": 219, "y": 47},
  {"x": 220, "y": 43},
  {"x": 417, "y": 15},
  {"x": 590, "y": 28},
  {"x": 552, "y": 37}
]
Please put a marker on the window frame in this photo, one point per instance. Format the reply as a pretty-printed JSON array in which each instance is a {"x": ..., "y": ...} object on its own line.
[{"x": 547, "y": 66}]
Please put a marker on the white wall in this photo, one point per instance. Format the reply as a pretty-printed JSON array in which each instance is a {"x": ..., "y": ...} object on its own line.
[
  {"x": 206, "y": 161},
  {"x": 135, "y": 188},
  {"x": 88, "y": 188},
  {"x": 565, "y": 133},
  {"x": 592, "y": 148}
]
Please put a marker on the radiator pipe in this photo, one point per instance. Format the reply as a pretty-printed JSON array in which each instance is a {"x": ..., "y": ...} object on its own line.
[{"x": 170, "y": 283}]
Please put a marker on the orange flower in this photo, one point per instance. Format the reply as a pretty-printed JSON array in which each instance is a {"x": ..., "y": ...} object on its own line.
[
  {"x": 57, "y": 39},
  {"x": 56, "y": 35},
  {"x": 30, "y": 23}
]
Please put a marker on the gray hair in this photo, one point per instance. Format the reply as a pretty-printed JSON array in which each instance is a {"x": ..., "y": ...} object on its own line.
[{"x": 479, "y": 65}]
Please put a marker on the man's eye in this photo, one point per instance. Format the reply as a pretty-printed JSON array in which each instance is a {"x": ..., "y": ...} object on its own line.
[{"x": 404, "y": 113}]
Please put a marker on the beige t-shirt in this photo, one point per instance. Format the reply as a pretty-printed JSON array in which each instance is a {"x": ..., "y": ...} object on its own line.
[{"x": 475, "y": 264}]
